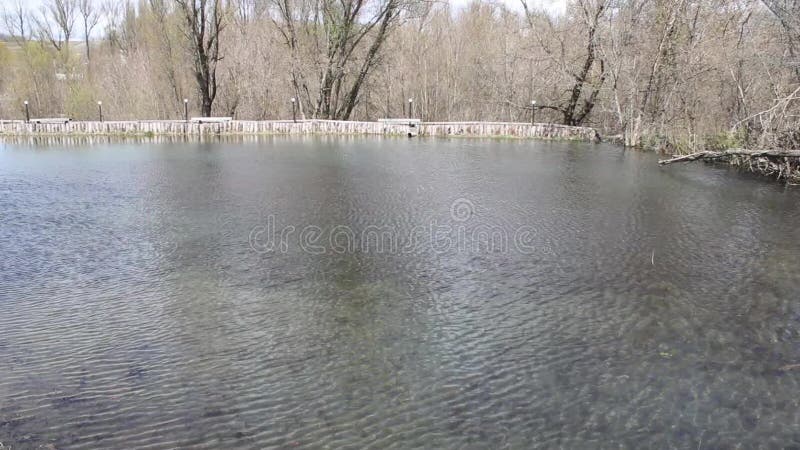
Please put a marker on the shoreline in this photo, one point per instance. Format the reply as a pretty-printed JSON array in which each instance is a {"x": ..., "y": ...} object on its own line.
[
  {"x": 394, "y": 127},
  {"x": 781, "y": 165},
  {"x": 784, "y": 169}
]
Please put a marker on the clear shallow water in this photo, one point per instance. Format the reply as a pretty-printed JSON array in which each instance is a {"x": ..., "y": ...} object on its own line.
[{"x": 142, "y": 303}]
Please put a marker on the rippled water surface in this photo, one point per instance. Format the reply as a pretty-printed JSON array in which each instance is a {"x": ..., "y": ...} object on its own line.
[{"x": 263, "y": 294}]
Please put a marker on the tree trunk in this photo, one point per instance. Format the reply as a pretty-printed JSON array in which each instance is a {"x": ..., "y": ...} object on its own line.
[{"x": 204, "y": 23}]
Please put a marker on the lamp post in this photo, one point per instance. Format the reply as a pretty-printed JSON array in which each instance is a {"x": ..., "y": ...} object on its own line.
[
  {"x": 533, "y": 112},
  {"x": 411, "y": 108},
  {"x": 186, "y": 109},
  {"x": 27, "y": 112},
  {"x": 100, "y": 110},
  {"x": 294, "y": 110}
]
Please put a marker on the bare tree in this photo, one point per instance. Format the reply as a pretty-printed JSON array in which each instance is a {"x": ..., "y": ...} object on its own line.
[
  {"x": 91, "y": 17},
  {"x": 788, "y": 13},
  {"x": 586, "y": 81},
  {"x": 16, "y": 22},
  {"x": 163, "y": 15},
  {"x": 591, "y": 11},
  {"x": 121, "y": 20},
  {"x": 338, "y": 30},
  {"x": 56, "y": 22},
  {"x": 205, "y": 21}
]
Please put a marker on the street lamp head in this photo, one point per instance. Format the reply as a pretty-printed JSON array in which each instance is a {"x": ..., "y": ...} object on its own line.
[
  {"x": 25, "y": 102},
  {"x": 411, "y": 100},
  {"x": 186, "y": 100},
  {"x": 99, "y": 103},
  {"x": 533, "y": 102},
  {"x": 294, "y": 99}
]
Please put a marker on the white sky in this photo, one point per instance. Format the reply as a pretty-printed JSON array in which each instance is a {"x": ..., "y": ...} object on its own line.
[
  {"x": 553, "y": 5},
  {"x": 556, "y": 6}
]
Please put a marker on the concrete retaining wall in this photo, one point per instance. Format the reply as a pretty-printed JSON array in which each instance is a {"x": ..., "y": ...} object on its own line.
[
  {"x": 334, "y": 127},
  {"x": 520, "y": 130}
]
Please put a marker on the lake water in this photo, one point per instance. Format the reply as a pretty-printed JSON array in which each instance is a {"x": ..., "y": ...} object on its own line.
[{"x": 392, "y": 293}]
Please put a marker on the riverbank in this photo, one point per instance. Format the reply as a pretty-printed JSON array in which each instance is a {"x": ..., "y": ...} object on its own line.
[
  {"x": 396, "y": 127},
  {"x": 781, "y": 164}
]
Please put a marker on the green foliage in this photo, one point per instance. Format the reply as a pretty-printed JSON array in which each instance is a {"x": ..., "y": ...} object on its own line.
[
  {"x": 38, "y": 58},
  {"x": 34, "y": 74},
  {"x": 660, "y": 143},
  {"x": 5, "y": 61},
  {"x": 681, "y": 144},
  {"x": 726, "y": 140},
  {"x": 80, "y": 102},
  {"x": 6, "y": 58}
]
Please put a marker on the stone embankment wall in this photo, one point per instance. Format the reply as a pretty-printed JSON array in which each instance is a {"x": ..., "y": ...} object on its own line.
[{"x": 341, "y": 127}]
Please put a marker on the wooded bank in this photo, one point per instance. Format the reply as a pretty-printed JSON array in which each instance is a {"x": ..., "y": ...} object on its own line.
[
  {"x": 661, "y": 74},
  {"x": 333, "y": 127}
]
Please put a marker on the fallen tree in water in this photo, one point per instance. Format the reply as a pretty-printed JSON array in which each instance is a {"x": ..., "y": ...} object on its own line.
[{"x": 784, "y": 164}]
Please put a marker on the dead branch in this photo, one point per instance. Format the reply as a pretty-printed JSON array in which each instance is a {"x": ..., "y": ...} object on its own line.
[{"x": 711, "y": 155}]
